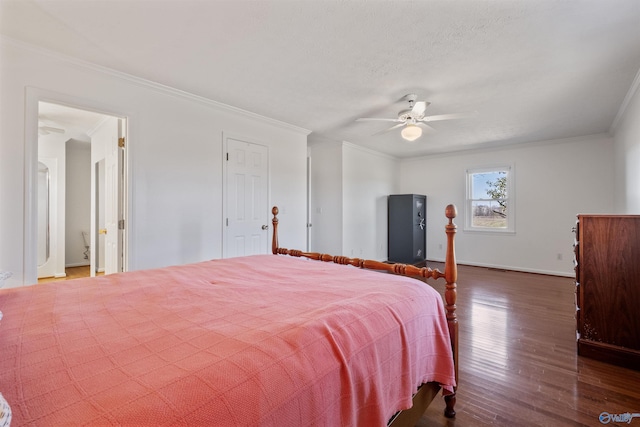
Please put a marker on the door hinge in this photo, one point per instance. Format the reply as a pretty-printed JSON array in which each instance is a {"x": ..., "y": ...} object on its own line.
[
  {"x": 121, "y": 142},
  {"x": 121, "y": 224},
  {"x": 227, "y": 157},
  {"x": 227, "y": 222}
]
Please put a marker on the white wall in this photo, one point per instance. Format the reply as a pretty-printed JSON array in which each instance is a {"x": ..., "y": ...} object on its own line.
[
  {"x": 78, "y": 201},
  {"x": 627, "y": 154},
  {"x": 554, "y": 181},
  {"x": 349, "y": 189},
  {"x": 368, "y": 179},
  {"x": 175, "y": 158}
]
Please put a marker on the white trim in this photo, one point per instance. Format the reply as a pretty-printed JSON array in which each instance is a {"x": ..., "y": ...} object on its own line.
[
  {"x": 150, "y": 84},
  {"x": 508, "y": 146},
  {"x": 309, "y": 186},
  {"x": 625, "y": 103},
  {"x": 30, "y": 230},
  {"x": 511, "y": 220},
  {"x": 315, "y": 140},
  {"x": 324, "y": 142},
  {"x": 223, "y": 205},
  {"x": 77, "y": 264},
  {"x": 509, "y": 268},
  {"x": 368, "y": 150}
]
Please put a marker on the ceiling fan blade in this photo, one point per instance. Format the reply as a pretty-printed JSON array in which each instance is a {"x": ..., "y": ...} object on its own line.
[
  {"x": 50, "y": 129},
  {"x": 419, "y": 107},
  {"x": 426, "y": 126},
  {"x": 391, "y": 128},
  {"x": 448, "y": 116},
  {"x": 369, "y": 119}
]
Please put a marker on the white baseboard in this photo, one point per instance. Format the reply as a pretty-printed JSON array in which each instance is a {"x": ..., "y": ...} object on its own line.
[
  {"x": 77, "y": 264},
  {"x": 511, "y": 268}
]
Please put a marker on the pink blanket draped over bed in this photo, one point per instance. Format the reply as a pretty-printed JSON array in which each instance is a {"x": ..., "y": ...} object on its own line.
[{"x": 261, "y": 340}]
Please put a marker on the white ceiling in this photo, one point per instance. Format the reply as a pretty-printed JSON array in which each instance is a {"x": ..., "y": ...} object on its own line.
[
  {"x": 533, "y": 70},
  {"x": 71, "y": 123}
]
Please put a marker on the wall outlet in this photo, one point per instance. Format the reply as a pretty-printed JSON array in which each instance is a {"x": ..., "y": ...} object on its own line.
[{"x": 559, "y": 257}]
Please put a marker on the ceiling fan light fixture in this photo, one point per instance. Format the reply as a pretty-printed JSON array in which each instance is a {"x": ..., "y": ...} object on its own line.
[{"x": 411, "y": 132}]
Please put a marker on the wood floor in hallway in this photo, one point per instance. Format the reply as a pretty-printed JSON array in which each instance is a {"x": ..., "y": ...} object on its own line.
[{"x": 71, "y": 273}]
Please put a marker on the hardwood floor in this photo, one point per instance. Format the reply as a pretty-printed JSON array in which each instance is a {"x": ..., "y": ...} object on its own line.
[
  {"x": 518, "y": 361},
  {"x": 71, "y": 273}
]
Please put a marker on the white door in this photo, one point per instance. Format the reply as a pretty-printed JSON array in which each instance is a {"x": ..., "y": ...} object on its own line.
[
  {"x": 114, "y": 154},
  {"x": 47, "y": 216},
  {"x": 247, "y": 209}
]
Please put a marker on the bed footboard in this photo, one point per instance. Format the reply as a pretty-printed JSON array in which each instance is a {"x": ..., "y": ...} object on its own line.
[{"x": 450, "y": 276}]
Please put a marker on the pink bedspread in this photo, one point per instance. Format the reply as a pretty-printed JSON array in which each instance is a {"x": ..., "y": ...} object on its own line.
[{"x": 226, "y": 342}]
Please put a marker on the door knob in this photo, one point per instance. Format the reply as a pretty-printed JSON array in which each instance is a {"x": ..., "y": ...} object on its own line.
[
  {"x": 264, "y": 227},
  {"x": 102, "y": 231}
]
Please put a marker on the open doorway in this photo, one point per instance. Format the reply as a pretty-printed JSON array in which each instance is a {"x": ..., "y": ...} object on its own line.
[{"x": 80, "y": 192}]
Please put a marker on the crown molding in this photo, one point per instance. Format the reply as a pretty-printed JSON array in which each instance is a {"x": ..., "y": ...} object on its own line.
[
  {"x": 369, "y": 151},
  {"x": 512, "y": 146},
  {"x": 158, "y": 87},
  {"x": 625, "y": 103},
  {"x": 321, "y": 141}
]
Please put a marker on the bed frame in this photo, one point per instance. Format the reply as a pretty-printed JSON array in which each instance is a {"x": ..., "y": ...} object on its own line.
[{"x": 427, "y": 392}]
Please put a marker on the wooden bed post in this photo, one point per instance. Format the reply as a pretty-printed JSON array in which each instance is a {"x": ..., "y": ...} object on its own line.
[
  {"x": 450, "y": 296},
  {"x": 274, "y": 239}
]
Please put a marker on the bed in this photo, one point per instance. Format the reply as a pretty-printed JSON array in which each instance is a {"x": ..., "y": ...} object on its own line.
[{"x": 261, "y": 340}]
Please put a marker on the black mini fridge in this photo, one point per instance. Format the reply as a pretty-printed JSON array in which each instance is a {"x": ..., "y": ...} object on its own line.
[{"x": 407, "y": 228}]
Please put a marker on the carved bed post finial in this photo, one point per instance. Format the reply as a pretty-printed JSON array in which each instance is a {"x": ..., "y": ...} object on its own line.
[
  {"x": 274, "y": 239},
  {"x": 450, "y": 296},
  {"x": 451, "y": 270}
]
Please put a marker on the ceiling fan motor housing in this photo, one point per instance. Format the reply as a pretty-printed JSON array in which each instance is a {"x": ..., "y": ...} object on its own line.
[{"x": 405, "y": 115}]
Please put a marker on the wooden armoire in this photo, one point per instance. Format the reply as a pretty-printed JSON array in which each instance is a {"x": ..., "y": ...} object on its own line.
[{"x": 607, "y": 250}]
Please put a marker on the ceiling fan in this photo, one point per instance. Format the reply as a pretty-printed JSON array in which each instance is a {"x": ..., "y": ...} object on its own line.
[
  {"x": 412, "y": 120},
  {"x": 46, "y": 130}
]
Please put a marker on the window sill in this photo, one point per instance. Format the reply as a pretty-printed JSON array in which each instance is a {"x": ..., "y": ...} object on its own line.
[{"x": 488, "y": 231}]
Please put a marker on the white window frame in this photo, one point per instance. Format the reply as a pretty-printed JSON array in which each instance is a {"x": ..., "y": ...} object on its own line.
[{"x": 510, "y": 199}]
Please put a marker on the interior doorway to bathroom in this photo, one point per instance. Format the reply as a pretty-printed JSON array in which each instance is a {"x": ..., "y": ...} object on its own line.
[{"x": 80, "y": 191}]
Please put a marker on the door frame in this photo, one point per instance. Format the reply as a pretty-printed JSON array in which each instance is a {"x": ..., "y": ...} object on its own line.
[
  {"x": 309, "y": 223},
  {"x": 33, "y": 97},
  {"x": 226, "y": 136}
]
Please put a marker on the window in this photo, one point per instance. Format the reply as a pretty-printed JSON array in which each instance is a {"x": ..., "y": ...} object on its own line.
[{"x": 489, "y": 202}]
